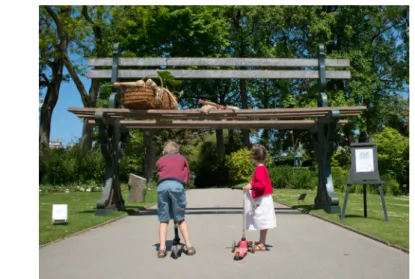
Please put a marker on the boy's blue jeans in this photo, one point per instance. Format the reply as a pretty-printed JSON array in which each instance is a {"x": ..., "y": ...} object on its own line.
[{"x": 171, "y": 201}]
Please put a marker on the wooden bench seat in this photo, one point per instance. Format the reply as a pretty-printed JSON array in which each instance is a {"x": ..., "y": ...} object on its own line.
[{"x": 284, "y": 118}]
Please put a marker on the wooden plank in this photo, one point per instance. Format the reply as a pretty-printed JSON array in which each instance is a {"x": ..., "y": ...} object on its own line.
[
  {"x": 177, "y": 124},
  {"x": 191, "y": 112},
  {"x": 218, "y": 117},
  {"x": 221, "y": 74},
  {"x": 237, "y": 62}
]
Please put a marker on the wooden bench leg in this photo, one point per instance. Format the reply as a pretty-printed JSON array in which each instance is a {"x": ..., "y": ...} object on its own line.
[
  {"x": 324, "y": 146},
  {"x": 112, "y": 141},
  {"x": 113, "y": 138}
]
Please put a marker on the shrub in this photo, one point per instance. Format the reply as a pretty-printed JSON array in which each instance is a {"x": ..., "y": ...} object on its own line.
[
  {"x": 65, "y": 166},
  {"x": 393, "y": 154},
  {"x": 293, "y": 178},
  {"x": 339, "y": 175},
  {"x": 280, "y": 176},
  {"x": 240, "y": 167},
  {"x": 304, "y": 178},
  {"x": 391, "y": 187}
]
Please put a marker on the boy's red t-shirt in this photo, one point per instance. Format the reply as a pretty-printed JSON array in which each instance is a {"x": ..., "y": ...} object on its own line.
[
  {"x": 261, "y": 181},
  {"x": 173, "y": 167}
]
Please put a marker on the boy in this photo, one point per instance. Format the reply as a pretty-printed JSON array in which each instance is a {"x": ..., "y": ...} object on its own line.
[{"x": 173, "y": 176}]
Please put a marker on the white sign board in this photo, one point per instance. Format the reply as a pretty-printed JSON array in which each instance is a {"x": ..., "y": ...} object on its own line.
[
  {"x": 364, "y": 160},
  {"x": 59, "y": 213}
]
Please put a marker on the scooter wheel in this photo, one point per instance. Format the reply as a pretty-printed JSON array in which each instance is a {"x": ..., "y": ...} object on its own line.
[
  {"x": 175, "y": 253},
  {"x": 236, "y": 257},
  {"x": 233, "y": 247}
]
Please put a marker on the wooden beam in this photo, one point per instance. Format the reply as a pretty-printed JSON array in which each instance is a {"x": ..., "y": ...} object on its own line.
[
  {"x": 177, "y": 124},
  {"x": 218, "y": 112},
  {"x": 215, "y": 62},
  {"x": 275, "y": 112},
  {"x": 220, "y": 74},
  {"x": 228, "y": 117}
]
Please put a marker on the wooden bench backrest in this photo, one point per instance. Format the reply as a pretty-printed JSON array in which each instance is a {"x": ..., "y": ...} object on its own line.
[{"x": 292, "y": 68}]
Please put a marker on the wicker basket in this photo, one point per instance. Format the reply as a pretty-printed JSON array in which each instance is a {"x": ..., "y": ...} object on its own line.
[{"x": 136, "y": 97}]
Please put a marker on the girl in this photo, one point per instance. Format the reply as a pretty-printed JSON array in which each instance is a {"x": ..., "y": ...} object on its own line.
[{"x": 264, "y": 215}]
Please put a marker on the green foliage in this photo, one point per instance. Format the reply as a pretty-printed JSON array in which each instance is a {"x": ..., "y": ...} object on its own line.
[
  {"x": 171, "y": 83},
  {"x": 133, "y": 161},
  {"x": 340, "y": 175},
  {"x": 342, "y": 158},
  {"x": 65, "y": 166},
  {"x": 293, "y": 178},
  {"x": 240, "y": 165},
  {"x": 393, "y": 154},
  {"x": 391, "y": 187}
]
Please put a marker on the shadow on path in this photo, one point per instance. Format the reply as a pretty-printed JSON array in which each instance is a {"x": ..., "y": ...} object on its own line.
[{"x": 212, "y": 211}]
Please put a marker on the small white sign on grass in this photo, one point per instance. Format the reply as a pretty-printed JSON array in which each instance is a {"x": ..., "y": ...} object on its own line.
[{"x": 59, "y": 213}]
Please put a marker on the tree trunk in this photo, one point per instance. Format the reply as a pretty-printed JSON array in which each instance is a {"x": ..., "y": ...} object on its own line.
[
  {"x": 49, "y": 103},
  {"x": 46, "y": 117},
  {"x": 86, "y": 141},
  {"x": 87, "y": 129},
  {"x": 244, "y": 99},
  {"x": 150, "y": 156},
  {"x": 220, "y": 145}
]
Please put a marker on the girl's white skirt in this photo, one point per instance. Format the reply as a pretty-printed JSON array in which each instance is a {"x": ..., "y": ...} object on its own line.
[{"x": 263, "y": 217}]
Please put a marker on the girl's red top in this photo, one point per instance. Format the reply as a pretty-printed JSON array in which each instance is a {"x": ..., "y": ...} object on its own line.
[{"x": 261, "y": 181}]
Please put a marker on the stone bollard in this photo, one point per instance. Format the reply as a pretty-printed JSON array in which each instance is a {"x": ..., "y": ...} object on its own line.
[{"x": 137, "y": 188}]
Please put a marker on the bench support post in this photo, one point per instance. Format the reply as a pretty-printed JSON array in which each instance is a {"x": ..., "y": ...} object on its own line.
[
  {"x": 324, "y": 145},
  {"x": 112, "y": 139}
]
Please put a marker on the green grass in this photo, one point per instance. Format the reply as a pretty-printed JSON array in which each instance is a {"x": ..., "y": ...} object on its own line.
[
  {"x": 81, "y": 212},
  {"x": 396, "y": 231}
]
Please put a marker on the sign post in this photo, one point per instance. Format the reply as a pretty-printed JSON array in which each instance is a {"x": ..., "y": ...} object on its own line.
[{"x": 364, "y": 170}]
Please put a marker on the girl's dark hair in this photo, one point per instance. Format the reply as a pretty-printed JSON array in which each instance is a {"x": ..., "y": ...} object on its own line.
[{"x": 259, "y": 153}]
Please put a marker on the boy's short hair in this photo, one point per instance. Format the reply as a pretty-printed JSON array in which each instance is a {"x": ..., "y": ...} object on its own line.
[
  {"x": 259, "y": 153},
  {"x": 171, "y": 148}
]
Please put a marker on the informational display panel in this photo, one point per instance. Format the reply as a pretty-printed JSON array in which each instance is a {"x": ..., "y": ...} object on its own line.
[{"x": 364, "y": 164}]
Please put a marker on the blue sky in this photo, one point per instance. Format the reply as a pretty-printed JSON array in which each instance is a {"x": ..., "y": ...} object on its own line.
[{"x": 66, "y": 126}]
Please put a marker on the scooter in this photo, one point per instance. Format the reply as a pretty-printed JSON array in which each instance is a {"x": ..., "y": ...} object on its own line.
[
  {"x": 241, "y": 249},
  {"x": 177, "y": 246}
]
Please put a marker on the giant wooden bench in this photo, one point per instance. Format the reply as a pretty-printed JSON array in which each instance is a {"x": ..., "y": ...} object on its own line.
[{"x": 114, "y": 122}]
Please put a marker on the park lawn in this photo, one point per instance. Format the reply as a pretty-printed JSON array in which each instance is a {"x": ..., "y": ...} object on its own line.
[
  {"x": 396, "y": 231},
  {"x": 81, "y": 212}
]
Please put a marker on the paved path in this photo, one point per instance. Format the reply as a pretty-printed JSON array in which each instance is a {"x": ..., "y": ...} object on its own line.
[{"x": 303, "y": 247}]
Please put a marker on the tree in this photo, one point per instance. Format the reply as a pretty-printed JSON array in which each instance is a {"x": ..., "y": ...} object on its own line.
[
  {"x": 51, "y": 63},
  {"x": 82, "y": 27},
  {"x": 393, "y": 154}
]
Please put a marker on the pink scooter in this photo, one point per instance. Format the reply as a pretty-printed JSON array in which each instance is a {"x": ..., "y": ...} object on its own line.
[{"x": 244, "y": 246}]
